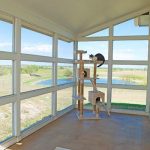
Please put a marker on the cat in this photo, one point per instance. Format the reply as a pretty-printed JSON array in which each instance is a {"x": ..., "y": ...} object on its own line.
[{"x": 98, "y": 57}]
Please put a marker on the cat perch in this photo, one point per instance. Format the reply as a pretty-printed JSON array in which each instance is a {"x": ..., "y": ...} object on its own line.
[{"x": 96, "y": 98}]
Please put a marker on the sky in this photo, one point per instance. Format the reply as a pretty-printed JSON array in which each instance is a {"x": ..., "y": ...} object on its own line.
[{"x": 40, "y": 44}]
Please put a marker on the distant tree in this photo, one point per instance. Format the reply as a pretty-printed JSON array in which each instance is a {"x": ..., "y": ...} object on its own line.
[
  {"x": 4, "y": 70},
  {"x": 1, "y": 71},
  {"x": 30, "y": 69},
  {"x": 61, "y": 67},
  {"x": 67, "y": 73}
]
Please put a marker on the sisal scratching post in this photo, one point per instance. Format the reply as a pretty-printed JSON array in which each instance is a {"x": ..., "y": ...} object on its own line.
[{"x": 94, "y": 75}]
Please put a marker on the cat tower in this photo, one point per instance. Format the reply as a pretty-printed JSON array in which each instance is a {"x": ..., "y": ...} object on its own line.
[{"x": 95, "y": 97}]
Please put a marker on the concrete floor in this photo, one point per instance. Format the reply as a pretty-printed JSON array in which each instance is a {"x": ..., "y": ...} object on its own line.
[{"x": 119, "y": 132}]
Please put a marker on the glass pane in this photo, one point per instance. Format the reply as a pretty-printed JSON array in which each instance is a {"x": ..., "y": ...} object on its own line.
[
  {"x": 35, "y": 109},
  {"x": 129, "y": 75},
  {"x": 35, "y": 75},
  {"x": 104, "y": 32},
  {"x": 5, "y": 122},
  {"x": 35, "y": 43},
  {"x": 65, "y": 49},
  {"x": 130, "y": 50},
  {"x": 65, "y": 73},
  {"x": 6, "y": 34},
  {"x": 129, "y": 99},
  {"x": 64, "y": 98},
  {"x": 5, "y": 77},
  {"x": 129, "y": 28},
  {"x": 102, "y": 74},
  {"x": 94, "y": 48},
  {"x": 87, "y": 104}
]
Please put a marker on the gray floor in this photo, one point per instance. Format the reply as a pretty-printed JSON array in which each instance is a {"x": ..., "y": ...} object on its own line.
[{"x": 119, "y": 132}]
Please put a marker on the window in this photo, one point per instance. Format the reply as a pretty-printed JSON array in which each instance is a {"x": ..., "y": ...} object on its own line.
[
  {"x": 35, "y": 109},
  {"x": 5, "y": 122},
  {"x": 64, "y": 98},
  {"x": 129, "y": 75},
  {"x": 104, "y": 32},
  {"x": 35, "y": 75},
  {"x": 102, "y": 74},
  {"x": 6, "y": 35},
  {"x": 5, "y": 77},
  {"x": 35, "y": 43},
  {"x": 65, "y": 73},
  {"x": 129, "y": 28},
  {"x": 94, "y": 48},
  {"x": 129, "y": 99},
  {"x": 65, "y": 49},
  {"x": 130, "y": 50}
]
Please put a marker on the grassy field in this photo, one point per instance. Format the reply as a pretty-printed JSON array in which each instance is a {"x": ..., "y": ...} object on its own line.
[
  {"x": 120, "y": 106},
  {"x": 37, "y": 108},
  {"x": 5, "y": 121},
  {"x": 137, "y": 76}
]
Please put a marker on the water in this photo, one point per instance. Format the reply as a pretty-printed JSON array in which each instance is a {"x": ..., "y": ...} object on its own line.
[
  {"x": 49, "y": 82},
  {"x": 101, "y": 80}
]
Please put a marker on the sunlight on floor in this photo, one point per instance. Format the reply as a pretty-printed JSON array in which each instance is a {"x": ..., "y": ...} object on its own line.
[
  {"x": 60, "y": 148},
  {"x": 19, "y": 143}
]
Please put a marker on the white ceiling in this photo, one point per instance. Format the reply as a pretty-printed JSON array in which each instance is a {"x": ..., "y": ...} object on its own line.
[{"x": 81, "y": 15}]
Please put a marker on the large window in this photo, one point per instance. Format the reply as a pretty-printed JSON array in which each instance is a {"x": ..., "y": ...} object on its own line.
[
  {"x": 129, "y": 99},
  {"x": 5, "y": 122},
  {"x": 65, "y": 49},
  {"x": 127, "y": 66},
  {"x": 35, "y": 109},
  {"x": 129, "y": 75},
  {"x": 65, "y": 73},
  {"x": 94, "y": 47},
  {"x": 35, "y": 75},
  {"x": 130, "y": 50},
  {"x": 26, "y": 77},
  {"x": 5, "y": 77},
  {"x": 36, "y": 43},
  {"x": 130, "y": 28},
  {"x": 64, "y": 98},
  {"x": 6, "y": 35}
]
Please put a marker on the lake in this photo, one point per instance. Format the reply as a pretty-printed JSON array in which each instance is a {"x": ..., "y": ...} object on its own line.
[{"x": 101, "y": 80}]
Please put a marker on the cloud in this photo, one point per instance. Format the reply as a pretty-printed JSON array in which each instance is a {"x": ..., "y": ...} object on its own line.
[
  {"x": 128, "y": 50},
  {"x": 37, "y": 48},
  {"x": 6, "y": 46},
  {"x": 124, "y": 56}
]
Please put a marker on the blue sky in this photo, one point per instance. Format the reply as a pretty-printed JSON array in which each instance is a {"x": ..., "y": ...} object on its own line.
[{"x": 39, "y": 44}]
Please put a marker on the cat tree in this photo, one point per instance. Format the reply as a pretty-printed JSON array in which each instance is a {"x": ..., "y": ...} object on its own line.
[{"x": 96, "y": 98}]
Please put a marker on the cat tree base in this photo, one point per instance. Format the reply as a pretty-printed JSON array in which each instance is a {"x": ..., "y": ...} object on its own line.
[{"x": 88, "y": 116}]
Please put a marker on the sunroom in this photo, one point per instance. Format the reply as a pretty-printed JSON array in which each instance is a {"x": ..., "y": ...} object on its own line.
[{"x": 43, "y": 98}]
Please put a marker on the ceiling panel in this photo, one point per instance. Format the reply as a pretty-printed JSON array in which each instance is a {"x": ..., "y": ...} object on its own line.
[{"x": 81, "y": 15}]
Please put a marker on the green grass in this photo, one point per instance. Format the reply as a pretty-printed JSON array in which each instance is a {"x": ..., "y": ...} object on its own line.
[
  {"x": 122, "y": 106},
  {"x": 139, "y": 79},
  {"x": 27, "y": 123},
  {"x": 129, "y": 106}
]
